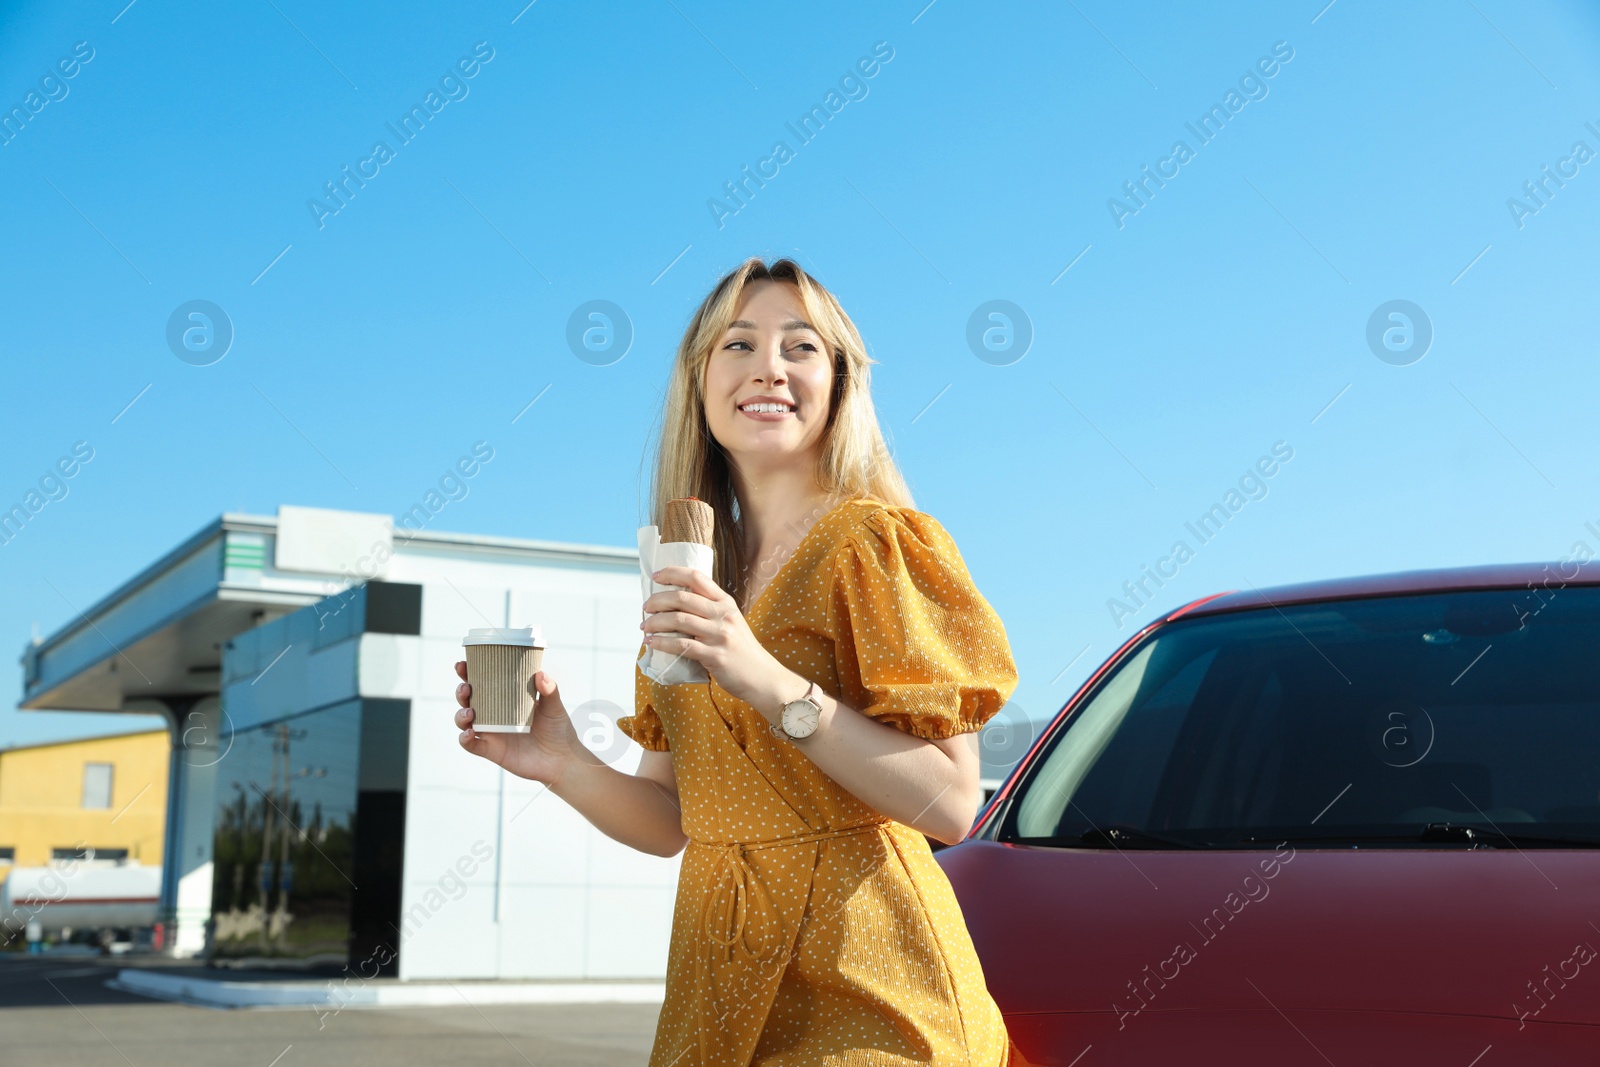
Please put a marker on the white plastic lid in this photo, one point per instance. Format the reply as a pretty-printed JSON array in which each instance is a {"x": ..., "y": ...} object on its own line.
[{"x": 526, "y": 636}]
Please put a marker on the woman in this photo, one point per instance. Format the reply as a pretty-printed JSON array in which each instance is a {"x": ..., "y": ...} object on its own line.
[{"x": 851, "y": 662}]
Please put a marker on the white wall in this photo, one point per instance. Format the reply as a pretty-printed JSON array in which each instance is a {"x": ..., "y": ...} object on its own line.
[{"x": 545, "y": 895}]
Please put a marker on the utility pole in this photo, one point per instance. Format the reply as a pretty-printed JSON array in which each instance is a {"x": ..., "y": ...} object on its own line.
[
  {"x": 268, "y": 806},
  {"x": 285, "y": 870}
]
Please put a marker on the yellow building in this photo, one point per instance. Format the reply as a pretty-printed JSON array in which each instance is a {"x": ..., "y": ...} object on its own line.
[{"x": 108, "y": 794}]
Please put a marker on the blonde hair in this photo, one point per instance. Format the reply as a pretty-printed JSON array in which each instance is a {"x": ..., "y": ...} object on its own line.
[{"x": 854, "y": 460}]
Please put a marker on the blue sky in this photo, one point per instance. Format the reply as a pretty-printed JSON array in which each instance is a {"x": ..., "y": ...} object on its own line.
[{"x": 1176, "y": 339}]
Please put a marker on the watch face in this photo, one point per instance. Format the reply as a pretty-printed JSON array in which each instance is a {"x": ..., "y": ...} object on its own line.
[{"x": 799, "y": 718}]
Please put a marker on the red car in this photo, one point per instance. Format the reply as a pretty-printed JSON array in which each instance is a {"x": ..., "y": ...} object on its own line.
[{"x": 1352, "y": 822}]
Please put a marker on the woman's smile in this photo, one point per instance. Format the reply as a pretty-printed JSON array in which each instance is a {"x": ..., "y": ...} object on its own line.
[{"x": 767, "y": 409}]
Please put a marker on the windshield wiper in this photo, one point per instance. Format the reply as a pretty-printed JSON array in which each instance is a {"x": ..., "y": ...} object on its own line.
[
  {"x": 1446, "y": 831},
  {"x": 1434, "y": 833},
  {"x": 1115, "y": 837}
]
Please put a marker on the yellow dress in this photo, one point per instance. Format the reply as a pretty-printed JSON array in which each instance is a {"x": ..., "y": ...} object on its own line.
[{"x": 809, "y": 929}]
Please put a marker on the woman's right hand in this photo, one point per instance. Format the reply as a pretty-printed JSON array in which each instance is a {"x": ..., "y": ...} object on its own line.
[{"x": 543, "y": 753}]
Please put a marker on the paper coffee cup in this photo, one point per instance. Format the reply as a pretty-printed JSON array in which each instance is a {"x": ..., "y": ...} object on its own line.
[{"x": 501, "y": 664}]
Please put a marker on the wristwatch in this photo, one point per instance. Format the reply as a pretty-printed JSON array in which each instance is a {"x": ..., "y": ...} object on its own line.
[{"x": 800, "y": 717}]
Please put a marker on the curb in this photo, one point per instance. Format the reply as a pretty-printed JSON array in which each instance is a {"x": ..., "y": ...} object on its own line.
[{"x": 385, "y": 993}]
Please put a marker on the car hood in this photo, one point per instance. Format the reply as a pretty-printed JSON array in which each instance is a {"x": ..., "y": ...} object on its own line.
[{"x": 1500, "y": 933}]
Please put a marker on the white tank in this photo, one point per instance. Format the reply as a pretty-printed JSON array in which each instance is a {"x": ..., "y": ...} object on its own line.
[{"x": 81, "y": 895}]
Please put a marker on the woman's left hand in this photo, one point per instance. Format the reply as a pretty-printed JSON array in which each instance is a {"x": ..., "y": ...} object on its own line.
[{"x": 713, "y": 631}]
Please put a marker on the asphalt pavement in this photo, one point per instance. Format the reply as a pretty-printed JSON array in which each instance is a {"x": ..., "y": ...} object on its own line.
[{"x": 58, "y": 1011}]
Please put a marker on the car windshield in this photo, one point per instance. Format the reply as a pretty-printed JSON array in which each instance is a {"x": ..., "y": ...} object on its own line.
[{"x": 1467, "y": 717}]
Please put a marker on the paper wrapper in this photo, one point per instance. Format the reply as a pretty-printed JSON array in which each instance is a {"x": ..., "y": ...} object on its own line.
[{"x": 659, "y": 665}]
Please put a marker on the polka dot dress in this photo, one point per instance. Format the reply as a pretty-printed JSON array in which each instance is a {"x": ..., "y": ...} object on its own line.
[{"x": 808, "y": 928}]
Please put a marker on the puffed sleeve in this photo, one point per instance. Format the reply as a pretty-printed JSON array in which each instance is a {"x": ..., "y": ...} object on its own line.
[
  {"x": 644, "y": 725},
  {"x": 917, "y": 646}
]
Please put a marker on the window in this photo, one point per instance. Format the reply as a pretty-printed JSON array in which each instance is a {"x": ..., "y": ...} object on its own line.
[
  {"x": 1367, "y": 722},
  {"x": 89, "y": 852},
  {"x": 97, "y": 785}
]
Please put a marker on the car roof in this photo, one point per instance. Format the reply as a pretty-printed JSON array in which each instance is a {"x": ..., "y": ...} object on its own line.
[{"x": 1525, "y": 576}]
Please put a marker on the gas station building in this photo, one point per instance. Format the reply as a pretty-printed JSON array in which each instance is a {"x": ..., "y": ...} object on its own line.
[{"x": 318, "y": 805}]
